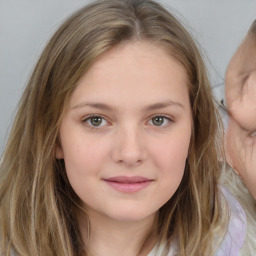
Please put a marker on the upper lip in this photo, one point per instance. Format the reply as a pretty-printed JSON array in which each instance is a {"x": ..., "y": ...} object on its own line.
[{"x": 127, "y": 179}]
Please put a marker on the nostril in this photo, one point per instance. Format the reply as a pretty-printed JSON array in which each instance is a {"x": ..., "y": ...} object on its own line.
[
  {"x": 252, "y": 134},
  {"x": 129, "y": 157}
]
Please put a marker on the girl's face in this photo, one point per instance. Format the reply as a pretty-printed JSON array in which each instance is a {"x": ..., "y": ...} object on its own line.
[{"x": 126, "y": 134}]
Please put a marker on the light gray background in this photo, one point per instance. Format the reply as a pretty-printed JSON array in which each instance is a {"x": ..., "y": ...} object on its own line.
[{"x": 26, "y": 26}]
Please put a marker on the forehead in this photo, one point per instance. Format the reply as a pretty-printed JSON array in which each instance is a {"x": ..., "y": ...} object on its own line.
[{"x": 141, "y": 70}]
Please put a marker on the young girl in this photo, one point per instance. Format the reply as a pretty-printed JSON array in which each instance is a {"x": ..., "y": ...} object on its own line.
[{"x": 113, "y": 150}]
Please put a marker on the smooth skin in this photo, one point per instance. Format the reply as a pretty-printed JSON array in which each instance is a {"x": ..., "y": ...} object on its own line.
[
  {"x": 241, "y": 103},
  {"x": 128, "y": 117}
]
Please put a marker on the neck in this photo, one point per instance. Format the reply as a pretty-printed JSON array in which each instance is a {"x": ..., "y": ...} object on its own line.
[{"x": 113, "y": 237}]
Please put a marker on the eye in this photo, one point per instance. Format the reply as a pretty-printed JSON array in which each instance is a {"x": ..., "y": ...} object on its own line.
[
  {"x": 95, "y": 121},
  {"x": 160, "y": 120}
]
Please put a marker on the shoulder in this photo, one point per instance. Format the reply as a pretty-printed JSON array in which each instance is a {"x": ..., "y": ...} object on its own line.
[{"x": 235, "y": 236}]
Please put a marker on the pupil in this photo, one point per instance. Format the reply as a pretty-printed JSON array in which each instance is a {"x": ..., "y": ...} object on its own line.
[
  {"x": 96, "y": 121},
  {"x": 158, "y": 120}
]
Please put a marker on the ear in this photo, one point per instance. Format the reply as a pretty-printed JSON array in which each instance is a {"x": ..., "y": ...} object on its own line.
[{"x": 59, "y": 152}]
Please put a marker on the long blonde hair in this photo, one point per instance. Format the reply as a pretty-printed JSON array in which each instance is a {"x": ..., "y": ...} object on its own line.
[{"x": 37, "y": 212}]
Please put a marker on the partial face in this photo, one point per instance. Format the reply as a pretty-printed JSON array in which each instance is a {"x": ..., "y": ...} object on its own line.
[
  {"x": 241, "y": 102},
  {"x": 241, "y": 84},
  {"x": 126, "y": 134}
]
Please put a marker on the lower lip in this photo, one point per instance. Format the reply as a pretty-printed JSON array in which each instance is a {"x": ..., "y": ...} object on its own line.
[{"x": 128, "y": 187}]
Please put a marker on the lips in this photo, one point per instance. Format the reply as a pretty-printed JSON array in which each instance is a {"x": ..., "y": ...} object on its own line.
[
  {"x": 128, "y": 184},
  {"x": 124, "y": 179}
]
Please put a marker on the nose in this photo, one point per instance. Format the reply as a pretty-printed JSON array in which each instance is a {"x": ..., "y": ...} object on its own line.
[{"x": 129, "y": 147}]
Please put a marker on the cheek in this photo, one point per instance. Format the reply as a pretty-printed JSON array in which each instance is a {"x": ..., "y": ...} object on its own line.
[
  {"x": 170, "y": 159},
  {"x": 171, "y": 154},
  {"x": 84, "y": 159},
  {"x": 81, "y": 147}
]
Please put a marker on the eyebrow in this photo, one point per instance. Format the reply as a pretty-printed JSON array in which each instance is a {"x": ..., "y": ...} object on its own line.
[
  {"x": 102, "y": 106},
  {"x": 161, "y": 105}
]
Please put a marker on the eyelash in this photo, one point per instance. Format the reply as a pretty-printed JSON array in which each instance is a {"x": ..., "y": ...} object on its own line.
[
  {"x": 166, "y": 118},
  {"x": 88, "y": 119}
]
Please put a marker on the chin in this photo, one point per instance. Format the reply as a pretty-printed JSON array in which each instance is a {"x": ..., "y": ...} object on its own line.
[{"x": 131, "y": 215}]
